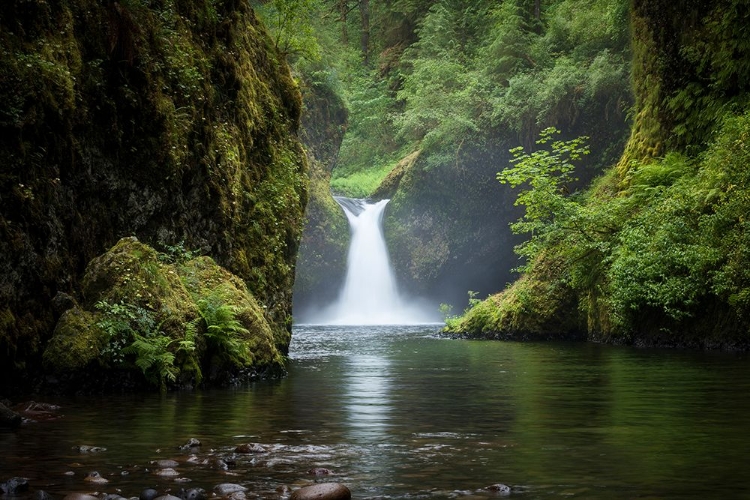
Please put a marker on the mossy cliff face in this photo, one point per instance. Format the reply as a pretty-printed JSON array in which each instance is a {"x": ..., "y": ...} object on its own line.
[
  {"x": 321, "y": 263},
  {"x": 173, "y": 121}
]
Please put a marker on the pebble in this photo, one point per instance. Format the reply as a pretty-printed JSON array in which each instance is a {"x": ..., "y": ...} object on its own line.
[
  {"x": 166, "y": 472},
  {"x": 80, "y": 496},
  {"x": 319, "y": 471},
  {"x": 165, "y": 463},
  {"x": 227, "y": 488},
  {"x": 499, "y": 488},
  {"x": 95, "y": 477}
]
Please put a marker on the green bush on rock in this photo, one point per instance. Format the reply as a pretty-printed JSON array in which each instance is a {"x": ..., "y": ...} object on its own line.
[{"x": 174, "y": 322}]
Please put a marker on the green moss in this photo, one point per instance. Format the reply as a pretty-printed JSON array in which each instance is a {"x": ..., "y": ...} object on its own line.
[{"x": 76, "y": 343}]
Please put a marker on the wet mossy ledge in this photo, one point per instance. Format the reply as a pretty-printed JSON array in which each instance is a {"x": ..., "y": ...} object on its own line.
[
  {"x": 152, "y": 319},
  {"x": 172, "y": 121}
]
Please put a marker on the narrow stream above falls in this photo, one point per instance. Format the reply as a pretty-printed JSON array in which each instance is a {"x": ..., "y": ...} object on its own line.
[{"x": 397, "y": 412}]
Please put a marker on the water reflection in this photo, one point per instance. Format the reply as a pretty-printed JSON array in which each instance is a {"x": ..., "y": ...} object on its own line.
[
  {"x": 367, "y": 398},
  {"x": 398, "y": 413}
]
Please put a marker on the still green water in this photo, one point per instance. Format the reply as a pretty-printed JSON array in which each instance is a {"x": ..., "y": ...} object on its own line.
[{"x": 396, "y": 412}]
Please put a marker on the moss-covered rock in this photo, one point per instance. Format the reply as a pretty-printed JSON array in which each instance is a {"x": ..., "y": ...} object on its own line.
[
  {"x": 133, "y": 292},
  {"x": 171, "y": 121}
]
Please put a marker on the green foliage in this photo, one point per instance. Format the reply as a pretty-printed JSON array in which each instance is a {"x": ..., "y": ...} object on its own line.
[
  {"x": 177, "y": 253},
  {"x": 223, "y": 331},
  {"x": 548, "y": 174},
  {"x": 290, "y": 22},
  {"x": 153, "y": 357},
  {"x": 121, "y": 322}
]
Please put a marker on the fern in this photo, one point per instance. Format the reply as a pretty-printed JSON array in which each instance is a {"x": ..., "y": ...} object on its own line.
[
  {"x": 154, "y": 358},
  {"x": 223, "y": 331}
]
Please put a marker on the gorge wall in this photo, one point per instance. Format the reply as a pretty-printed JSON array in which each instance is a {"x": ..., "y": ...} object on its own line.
[{"x": 174, "y": 122}]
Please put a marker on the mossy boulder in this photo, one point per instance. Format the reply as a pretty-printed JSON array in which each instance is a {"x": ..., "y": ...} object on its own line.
[{"x": 132, "y": 292}]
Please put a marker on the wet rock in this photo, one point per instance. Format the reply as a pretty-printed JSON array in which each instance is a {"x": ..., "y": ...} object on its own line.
[
  {"x": 148, "y": 494},
  {"x": 166, "y": 472},
  {"x": 42, "y": 495},
  {"x": 165, "y": 463},
  {"x": 96, "y": 478},
  {"x": 167, "y": 497},
  {"x": 14, "y": 486},
  {"x": 319, "y": 471},
  {"x": 182, "y": 480},
  {"x": 113, "y": 496},
  {"x": 227, "y": 488},
  {"x": 193, "y": 494},
  {"x": 237, "y": 495},
  {"x": 322, "y": 491},
  {"x": 191, "y": 443},
  {"x": 80, "y": 496},
  {"x": 84, "y": 448},
  {"x": 499, "y": 489},
  {"x": 8, "y": 418},
  {"x": 33, "y": 411},
  {"x": 250, "y": 448}
]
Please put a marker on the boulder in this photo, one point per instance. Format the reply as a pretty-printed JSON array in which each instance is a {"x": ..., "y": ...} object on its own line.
[
  {"x": 14, "y": 486},
  {"x": 322, "y": 491}
]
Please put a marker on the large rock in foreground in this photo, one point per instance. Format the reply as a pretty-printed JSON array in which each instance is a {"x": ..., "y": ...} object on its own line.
[{"x": 178, "y": 319}]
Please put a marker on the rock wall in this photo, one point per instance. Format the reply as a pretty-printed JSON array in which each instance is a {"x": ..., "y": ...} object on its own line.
[{"x": 171, "y": 121}]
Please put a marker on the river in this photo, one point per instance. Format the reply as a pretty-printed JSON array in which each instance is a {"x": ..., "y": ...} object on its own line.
[{"x": 397, "y": 412}]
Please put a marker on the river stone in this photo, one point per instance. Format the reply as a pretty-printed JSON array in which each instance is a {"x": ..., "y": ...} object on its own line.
[
  {"x": 84, "y": 448},
  {"x": 167, "y": 497},
  {"x": 192, "y": 443},
  {"x": 80, "y": 496},
  {"x": 322, "y": 491},
  {"x": 148, "y": 494},
  {"x": 166, "y": 472},
  {"x": 14, "y": 485},
  {"x": 319, "y": 471},
  {"x": 42, "y": 495},
  {"x": 227, "y": 488},
  {"x": 499, "y": 488},
  {"x": 250, "y": 448},
  {"x": 193, "y": 494},
  {"x": 165, "y": 463},
  {"x": 95, "y": 477}
]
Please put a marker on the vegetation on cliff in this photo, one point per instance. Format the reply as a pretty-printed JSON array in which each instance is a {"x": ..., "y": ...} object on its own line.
[
  {"x": 656, "y": 251},
  {"x": 171, "y": 121}
]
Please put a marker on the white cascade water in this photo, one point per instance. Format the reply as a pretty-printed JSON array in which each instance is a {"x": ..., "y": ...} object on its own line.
[{"x": 370, "y": 295}]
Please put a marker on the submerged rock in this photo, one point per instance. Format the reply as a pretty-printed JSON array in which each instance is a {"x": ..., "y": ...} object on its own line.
[
  {"x": 323, "y": 491},
  {"x": 191, "y": 443},
  {"x": 228, "y": 488},
  {"x": 80, "y": 496},
  {"x": 250, "y": 448},
  {"x": 148, "y": 494},
  {"x": 499, "y": 488},
  {"x": 84, "y": 448},
  {"x": 95, "y": 477},
  {"x": 14, "y": 486}
]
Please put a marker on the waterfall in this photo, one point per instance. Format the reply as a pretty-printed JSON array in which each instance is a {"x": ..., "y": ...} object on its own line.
[{"x": 370, "y": 294}]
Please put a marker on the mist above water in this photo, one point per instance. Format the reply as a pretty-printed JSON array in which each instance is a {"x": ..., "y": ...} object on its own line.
[{"x": 370, "y": 293}]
